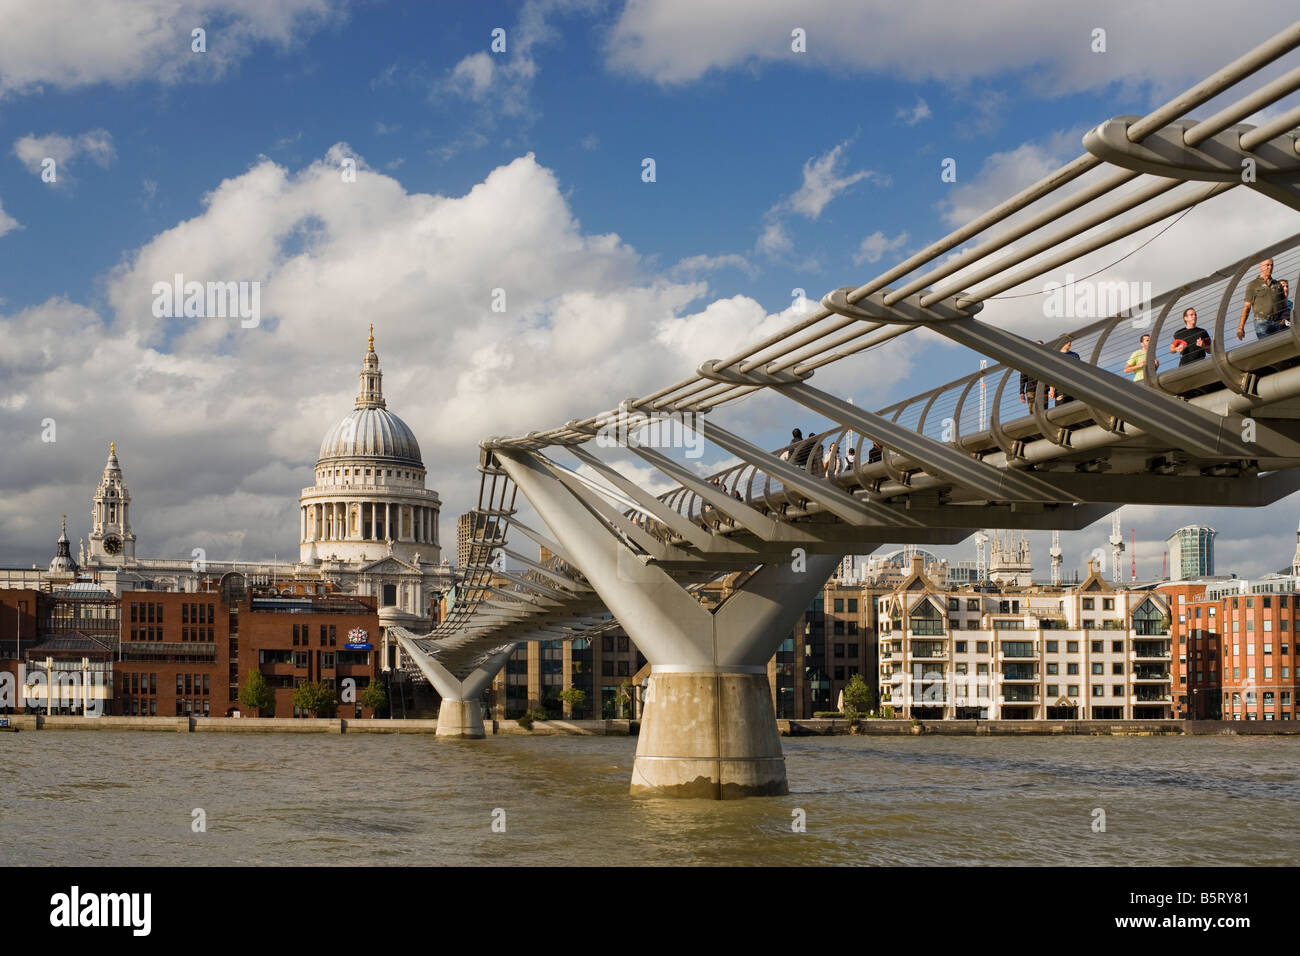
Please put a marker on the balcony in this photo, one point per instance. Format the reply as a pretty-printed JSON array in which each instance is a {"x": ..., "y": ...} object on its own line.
[
  {"x": 928, "y": 649},
  {"x": 1151, "y": 674},
  {"x": 1148, "y": 652},
  {"x": 1019, "y": 672},
  {"x": 1053, "y": 624},
  {"x": 1161, "y": 697},
  {"x": 922, "y": 628},
  {"x": 1014, "y": 698}
]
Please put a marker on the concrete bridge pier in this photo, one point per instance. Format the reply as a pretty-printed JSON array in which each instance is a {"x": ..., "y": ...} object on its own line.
[
  {"x": 709, "y": 727},
  {"x": 461, "y": 713}
]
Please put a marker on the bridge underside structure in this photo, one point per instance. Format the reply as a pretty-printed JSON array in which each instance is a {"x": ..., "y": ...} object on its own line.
[{"x": 969, "y": 454}]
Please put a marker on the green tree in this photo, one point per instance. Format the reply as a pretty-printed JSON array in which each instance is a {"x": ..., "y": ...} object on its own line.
[
  {"x": 857, "y": 700},
  {"x": 374, "y": 696},
  {"x": 858, "y": 695},
  {"x": 575, "y": 698},
  {"x": 315, "y": 698},
  {"x": 256, "y": 694}
]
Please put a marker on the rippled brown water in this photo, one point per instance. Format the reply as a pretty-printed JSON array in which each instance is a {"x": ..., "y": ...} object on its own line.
[{"x": 102, "y": 797}]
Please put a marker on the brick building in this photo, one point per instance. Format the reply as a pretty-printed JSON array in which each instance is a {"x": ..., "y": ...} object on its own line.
[
  {"x": 169, "y": 653},
  {"x": 1237, "y": 648}
]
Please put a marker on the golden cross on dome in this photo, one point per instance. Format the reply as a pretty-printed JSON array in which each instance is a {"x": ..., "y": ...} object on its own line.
[
  {"x": 372, "y": 336},
  {"x": 112, "y": 448}
]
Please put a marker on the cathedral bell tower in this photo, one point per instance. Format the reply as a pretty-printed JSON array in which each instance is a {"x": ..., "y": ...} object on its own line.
[{"x": 111, "y": 538}]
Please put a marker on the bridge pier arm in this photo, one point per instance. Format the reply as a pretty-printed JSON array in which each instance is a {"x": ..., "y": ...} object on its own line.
[
  {"x": 461, "y": 713},
  {"x": 709, "y": 728}
]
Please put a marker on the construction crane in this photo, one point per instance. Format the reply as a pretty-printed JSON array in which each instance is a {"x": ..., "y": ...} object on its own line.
[
  {"x": 1116, "y": 549},
  {"x": 981, "y": 557},
  {"x": 1056, "y": 558},
  {"x": 1133, "y": 551}
]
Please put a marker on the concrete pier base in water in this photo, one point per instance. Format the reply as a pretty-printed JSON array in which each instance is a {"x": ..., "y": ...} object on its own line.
[
  {"x": 460, "y": 718},
  {"x": 709, "y": 735}
]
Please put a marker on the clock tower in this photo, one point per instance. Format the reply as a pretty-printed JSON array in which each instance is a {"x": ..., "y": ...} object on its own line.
[{"x": 111, "y": 538}]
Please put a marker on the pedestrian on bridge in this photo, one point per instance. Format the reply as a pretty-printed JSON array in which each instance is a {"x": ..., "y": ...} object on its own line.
[
  {"x": 1191, "y": 341},
  {"x": 1067, "y": 349},
  {"x": 1028, "y": 386},
  {"x": 1137, "y": 362},
  {"x": 1267, "y": 298}
]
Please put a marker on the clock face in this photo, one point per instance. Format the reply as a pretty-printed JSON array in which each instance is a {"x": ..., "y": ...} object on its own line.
[{"x": 112, "y": 545}]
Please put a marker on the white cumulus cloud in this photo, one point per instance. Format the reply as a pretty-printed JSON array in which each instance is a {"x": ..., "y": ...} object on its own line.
[{"x": 68, "y": 44}]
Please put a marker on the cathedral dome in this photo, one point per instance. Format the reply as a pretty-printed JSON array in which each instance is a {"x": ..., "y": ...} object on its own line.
[
  {"x": 370, "y": 430},
  {"x": 371, "y": 433}
]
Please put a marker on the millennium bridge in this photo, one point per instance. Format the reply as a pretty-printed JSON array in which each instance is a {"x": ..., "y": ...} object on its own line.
[{"x": 966, "y": 455}]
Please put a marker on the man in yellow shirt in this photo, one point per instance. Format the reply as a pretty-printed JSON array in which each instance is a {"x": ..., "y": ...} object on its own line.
[{"x": 1137, "y": 362}]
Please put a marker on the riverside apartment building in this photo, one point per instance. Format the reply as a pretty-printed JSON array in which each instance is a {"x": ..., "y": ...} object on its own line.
[{"x": 1033, "y": 652}]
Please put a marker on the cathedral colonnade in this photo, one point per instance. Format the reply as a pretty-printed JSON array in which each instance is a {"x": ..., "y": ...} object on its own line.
[{"x": 368, "y": 520}]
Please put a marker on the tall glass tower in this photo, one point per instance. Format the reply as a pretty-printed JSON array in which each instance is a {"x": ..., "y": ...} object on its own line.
[{"x": 1191, "y": 552}]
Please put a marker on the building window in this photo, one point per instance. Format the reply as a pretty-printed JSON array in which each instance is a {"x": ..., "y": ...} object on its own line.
[
  {"x": 1108, "y": 604},
  {"x": 1071, "y": 647},
  {"x": 1088, "y": 604},
  {"x": 1072, "y": 690},
  {"x": 1052, "y": 647},
  {"x": 961, "y": 647},
  {"x": 1096, "y": 667},
  {"x": 1117, "y": 647},
  {"x": 1098, "y": 690},
  {"x": 1117, "y": 667},
  {"x": 981, "y": 647},
  {"x": 1053, "y": 690},
  {"x": 1052, "y": 667},
  {"x": 1117, "y": 690},
  {"x": 1072, "y": 668}
]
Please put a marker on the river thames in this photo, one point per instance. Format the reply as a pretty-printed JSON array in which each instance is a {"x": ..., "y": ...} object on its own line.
[{"x": 129, "y": 798}]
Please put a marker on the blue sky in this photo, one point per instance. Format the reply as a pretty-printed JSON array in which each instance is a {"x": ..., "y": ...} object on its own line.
[{"x": 775, "y": 170}]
